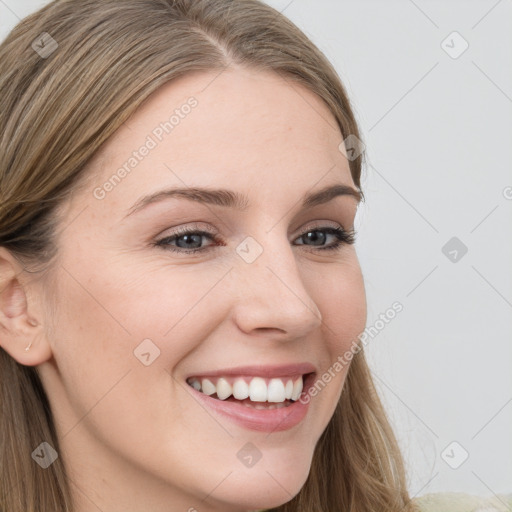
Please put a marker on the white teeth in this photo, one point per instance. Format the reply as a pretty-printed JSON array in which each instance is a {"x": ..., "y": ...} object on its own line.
[
  {"x": 297, "y": 389},
  {"x": 276, "y": 391},
  {"x": 208, "y": 387},
  {"x": 258, "y": 390},
  {"x": 288, "y": 390},
  {"x": 240, "y": 389},
  {"x": 224, "y": 389}
]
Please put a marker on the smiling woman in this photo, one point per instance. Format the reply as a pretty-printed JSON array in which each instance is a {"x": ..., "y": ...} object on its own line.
[{"x": 176, "y": 283}]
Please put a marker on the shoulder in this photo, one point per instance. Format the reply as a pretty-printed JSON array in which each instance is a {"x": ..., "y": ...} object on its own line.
[{"x": 462, "y": 502}]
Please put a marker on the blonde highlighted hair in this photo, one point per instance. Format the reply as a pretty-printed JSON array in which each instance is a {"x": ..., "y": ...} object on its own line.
[{"x": 57, "y": 108}]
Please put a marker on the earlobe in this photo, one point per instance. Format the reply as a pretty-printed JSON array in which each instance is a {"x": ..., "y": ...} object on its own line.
[{"x": 21, "y": 335}]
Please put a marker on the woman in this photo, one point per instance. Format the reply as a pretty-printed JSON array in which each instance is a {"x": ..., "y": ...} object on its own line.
[{"x": 181, "y": 304}]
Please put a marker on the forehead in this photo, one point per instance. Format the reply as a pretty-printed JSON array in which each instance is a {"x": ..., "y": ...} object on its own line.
[{"x": 243, "y": 128}]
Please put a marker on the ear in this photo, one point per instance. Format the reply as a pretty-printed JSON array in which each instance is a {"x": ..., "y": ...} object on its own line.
[{"x": 21, "y": 323}]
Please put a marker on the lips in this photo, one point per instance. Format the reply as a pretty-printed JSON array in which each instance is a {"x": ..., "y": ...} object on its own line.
[{"x": 259, "y": 398}]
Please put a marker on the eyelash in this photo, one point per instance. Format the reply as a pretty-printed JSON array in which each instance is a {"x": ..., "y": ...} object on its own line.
[{"x": 343, "y": 238}]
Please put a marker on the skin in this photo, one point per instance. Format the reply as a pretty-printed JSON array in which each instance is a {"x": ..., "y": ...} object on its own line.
[{"x": 132, "y": 436}]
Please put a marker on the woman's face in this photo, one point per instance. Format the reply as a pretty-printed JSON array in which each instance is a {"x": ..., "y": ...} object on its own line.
[{"x": 254, "y": 296}]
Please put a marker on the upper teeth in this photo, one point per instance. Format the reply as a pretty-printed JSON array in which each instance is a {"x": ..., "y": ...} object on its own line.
[{"x": 257, "y": 389}]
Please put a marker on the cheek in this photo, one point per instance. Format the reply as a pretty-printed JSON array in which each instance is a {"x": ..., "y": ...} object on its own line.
[
  {"x": 91, "y": 344},
  {"x": 340, "y": 296},
  {"x": 341, "y": 299},
  {"x": 107, "y": 321},
  {"x": 130, "y": 301},
  {"x": 114, "y": 318}
]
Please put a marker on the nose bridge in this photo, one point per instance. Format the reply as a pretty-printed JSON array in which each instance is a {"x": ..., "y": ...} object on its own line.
[{"x": 270, "y": 291}]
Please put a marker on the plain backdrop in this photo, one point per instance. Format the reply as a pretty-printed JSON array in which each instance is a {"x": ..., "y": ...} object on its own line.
[{"x": 431, "y": 85}]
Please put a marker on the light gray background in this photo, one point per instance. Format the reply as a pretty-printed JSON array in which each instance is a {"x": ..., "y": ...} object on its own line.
[{"x": 438, "y": 135}]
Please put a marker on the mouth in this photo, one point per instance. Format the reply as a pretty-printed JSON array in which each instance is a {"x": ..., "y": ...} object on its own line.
[
  {"x": 255, "y": 392},
  {"x": 263, "y": 399}
]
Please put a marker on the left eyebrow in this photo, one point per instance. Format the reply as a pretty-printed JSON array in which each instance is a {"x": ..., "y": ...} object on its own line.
[
  {"x": 230, "y": 199},
  {"x": 325, "y": 195}
]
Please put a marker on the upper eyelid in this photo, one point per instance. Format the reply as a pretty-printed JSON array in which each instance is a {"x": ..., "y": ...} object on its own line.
[{"x": 322, "y": 225}]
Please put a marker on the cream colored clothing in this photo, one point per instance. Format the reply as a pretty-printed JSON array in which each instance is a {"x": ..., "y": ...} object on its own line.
[{"x": 462, "y": 502}]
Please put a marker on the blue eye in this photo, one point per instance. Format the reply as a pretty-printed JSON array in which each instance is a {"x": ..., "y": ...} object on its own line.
[
  {"x": 189, "y": 241},
  {"x": 318, "y": 236}
]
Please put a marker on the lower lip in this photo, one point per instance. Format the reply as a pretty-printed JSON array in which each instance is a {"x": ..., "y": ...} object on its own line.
[{"x": 262, "y": 420}]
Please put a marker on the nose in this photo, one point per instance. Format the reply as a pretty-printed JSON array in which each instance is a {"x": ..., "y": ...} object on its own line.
[{"x": 270, "y": 297}]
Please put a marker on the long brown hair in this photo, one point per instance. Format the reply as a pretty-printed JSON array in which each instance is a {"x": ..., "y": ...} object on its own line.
[{"x": 70, "y": 75}]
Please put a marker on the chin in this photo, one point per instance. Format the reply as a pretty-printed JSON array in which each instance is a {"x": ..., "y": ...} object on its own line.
[
  {"x": 264, "y": 486},
  {"x": 256, "y": 497}
]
